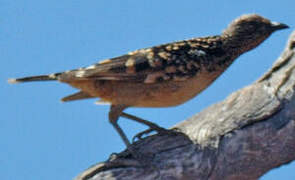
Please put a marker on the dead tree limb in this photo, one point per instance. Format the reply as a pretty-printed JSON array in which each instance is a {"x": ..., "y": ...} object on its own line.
[{"x": 242, "y": 137}]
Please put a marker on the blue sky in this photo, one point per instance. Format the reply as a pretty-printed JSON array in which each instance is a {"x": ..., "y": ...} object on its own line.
[{"x": 42, "y": 138}]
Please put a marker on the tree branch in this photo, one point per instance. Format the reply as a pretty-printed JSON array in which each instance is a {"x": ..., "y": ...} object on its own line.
[{"x": 242, "y": 137}]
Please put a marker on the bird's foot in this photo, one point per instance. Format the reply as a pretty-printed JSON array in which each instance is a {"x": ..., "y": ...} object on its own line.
[{"x": 145, "y": 133}]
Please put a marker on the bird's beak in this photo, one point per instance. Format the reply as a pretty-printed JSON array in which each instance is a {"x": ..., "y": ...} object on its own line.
[{"x": 278, "y": 26}]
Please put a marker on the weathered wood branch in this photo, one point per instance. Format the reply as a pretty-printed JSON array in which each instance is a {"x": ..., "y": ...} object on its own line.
[{"x": 243, "y": 137}]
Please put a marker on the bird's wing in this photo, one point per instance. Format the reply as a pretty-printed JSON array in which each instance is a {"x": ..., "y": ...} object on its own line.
[
  {"x": 173, "y": 61},
  {"x": 129, "y": 67}
]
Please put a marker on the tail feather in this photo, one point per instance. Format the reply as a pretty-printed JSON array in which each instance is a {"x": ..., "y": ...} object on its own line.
[
  {"x": 77, "y": 96},
  {"x": 50, "y": 77}
]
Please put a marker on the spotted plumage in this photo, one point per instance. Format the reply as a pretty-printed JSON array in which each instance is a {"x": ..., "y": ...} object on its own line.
[
  {"x": 176, "y": 61},
  {"x": 164, "y": 75}
]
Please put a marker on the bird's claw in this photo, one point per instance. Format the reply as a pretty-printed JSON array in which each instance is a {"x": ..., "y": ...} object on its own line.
[
  {"x": 159, "y": 130},
  {"x": 140, "y": 135}
]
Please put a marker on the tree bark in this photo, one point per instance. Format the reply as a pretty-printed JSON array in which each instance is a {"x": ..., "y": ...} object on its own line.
[{"x": 249, "y": 133}]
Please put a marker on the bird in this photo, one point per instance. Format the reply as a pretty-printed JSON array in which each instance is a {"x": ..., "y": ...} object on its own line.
[{"x": 164, "y": 75}]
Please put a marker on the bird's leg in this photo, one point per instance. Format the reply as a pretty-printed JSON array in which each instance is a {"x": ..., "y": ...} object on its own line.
[
  {"x": 152, "y": 126},
  {"x": 142, "y": 121},
  {"x": 114, "y": 115}
]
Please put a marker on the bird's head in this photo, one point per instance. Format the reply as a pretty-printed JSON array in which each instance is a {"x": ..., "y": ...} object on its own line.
[{"x": 248, "y": 31}]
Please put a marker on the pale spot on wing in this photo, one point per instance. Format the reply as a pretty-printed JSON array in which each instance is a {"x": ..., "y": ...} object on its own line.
[
  {"x": 91, "y": 67},
  {"x": 150, "y": 56},
  {"x": 169, "y": 47},
  {"x": 130, "y": 64},
  {"x": 80, "y": 73},
  {"x": 197, "y": 52},
  {"x": 105, "y": 61},
  {"x": 146, "y": 50},
  {"x": 164, "y": 55},
  {"x": 132, "y": 53},
  {"x": 175, "y": 47},
  {"x": 151, "y": 60}
]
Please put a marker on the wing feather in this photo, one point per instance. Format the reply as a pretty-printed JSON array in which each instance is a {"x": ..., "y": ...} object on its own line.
[
  {"x": 173, "y": 61},
  {"x": 133, "y": 67}
]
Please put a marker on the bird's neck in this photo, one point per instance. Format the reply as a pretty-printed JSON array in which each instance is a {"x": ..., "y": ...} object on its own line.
[
  {"x": 240, "y": 44},
  {"x": 233, "y": 44}
]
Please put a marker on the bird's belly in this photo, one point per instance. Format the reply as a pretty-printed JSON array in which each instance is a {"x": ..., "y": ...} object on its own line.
[
  {"x": 174, "y": 93},
  {"x": 162, "y": 94}
]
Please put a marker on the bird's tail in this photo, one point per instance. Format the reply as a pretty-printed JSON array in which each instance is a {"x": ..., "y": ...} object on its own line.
[{"x": 49, "y": 77}]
